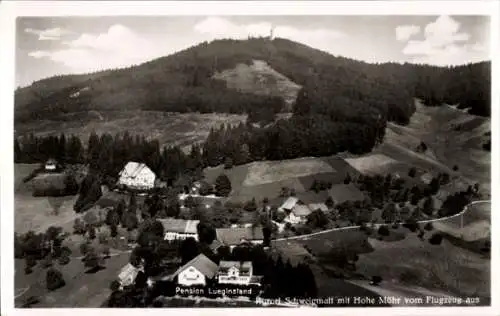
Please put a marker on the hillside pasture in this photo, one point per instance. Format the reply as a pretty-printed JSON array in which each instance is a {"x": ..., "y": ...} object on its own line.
[
  {"x": 169, "y": 128},
  {"x": 414, "y": 262},
  {"x": 259, "y": 78},
  {"x": 81, "y": 289},
  {"x": 476, "y": 221}
]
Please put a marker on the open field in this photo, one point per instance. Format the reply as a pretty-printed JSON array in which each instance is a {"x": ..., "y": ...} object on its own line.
[
  {"x": 414, "y": 262},
  {"x": 39, "y": 213},
  {"x": 370, "y": 164},
  {"x": 274, "y": 171},
  {"x": 169, "y": 128}
]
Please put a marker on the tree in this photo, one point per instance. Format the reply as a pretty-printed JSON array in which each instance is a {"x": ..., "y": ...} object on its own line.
[
  {"x": 91, "y": 231},
  {"x": 188, "y": 249},
  {"x": 228, "y": 163},
  {"x": 92, "y": 260},
  {"x": 54, "y": 279},
  {"x": 222, "y": 185},
  {"x": 251, "y": 206},
  {"x": 347, "y": 179},
  {"x": 434, "y": 185},
  {"x": 112, "y": 217},
  {"x": 455, "y": 168},
  {"x": 383, "y": 230},
  {"x": 436, "y": 239},
  {"x": 206, "y": 233},
  {"x": 79, "y": 227},
  {"x": 428, "y": 226},
  {"x": 428, "y": 207},
  {"x": 113, "y": 231},
  {"x": 329, "y": 202},
  {"x": 390, "y": 213},
  {"x": 412, "y": 172},
  {"x": 91, "y": 219},
  {"x": 317, "y": 219}
]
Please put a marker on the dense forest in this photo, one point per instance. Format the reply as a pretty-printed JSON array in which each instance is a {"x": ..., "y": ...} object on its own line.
[{"x": 344, "y": 104}]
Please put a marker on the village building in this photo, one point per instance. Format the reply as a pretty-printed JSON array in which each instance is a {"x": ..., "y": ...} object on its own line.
[
  {"x": 233, "y": 237},
  {"x": 298, "y": 215},
  {"x": 179, "y": 229},
  {"x": 237, "y": 273},
  {"x": 196, "y": 272},
  {"x": 295, "y": 209},
  {"x": 137, "y": 176},
  {"x": 128, "y": 274},
  {"x": 288, "y": 205},
  {"x": 50, "y": 165}
]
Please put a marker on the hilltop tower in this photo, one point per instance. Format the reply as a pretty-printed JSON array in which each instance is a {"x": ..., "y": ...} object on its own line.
[{"x": 271, "y": 33}]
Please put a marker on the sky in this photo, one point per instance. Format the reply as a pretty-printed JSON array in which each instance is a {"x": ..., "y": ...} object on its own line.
[{"x": 47, "y": 46}]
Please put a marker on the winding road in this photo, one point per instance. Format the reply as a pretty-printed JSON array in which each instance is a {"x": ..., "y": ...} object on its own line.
[{"x": 357, "y": 226}]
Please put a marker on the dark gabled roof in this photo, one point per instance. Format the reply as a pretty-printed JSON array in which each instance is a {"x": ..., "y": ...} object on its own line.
[
  {"x": 179, "y": 225},
  {"x": 233, "y": 236},
  {"x": 201, "y": 263}
]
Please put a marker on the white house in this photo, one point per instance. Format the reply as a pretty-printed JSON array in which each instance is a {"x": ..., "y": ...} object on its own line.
[
  {"x": 128, "y": 274},
  {"x": 196, "y": 272},
  {"x": 137, "y": 176},
  {"x": 179, "y": 229},
  {"x": 298, "y": 215},
  {"x": 288, "y": 205},
  {"x": 51, "y": 165},
  {"x": 235, "y": 272}
]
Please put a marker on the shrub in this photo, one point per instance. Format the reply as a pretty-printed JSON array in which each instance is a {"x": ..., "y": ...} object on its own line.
[
  {"x": 64, "y": 260},
  {"x": 383, "y": 230},
  {"x": 428, "y": 226},
  {"x": 436, "y": 239},
  {"x": 412, "y": 172},
  {"x": 376, "y": 279},
  {"x": 54, "y": 279},
  {"x": 455, "y": 168}
]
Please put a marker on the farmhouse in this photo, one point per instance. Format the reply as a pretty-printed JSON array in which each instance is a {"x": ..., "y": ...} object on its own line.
[
  {"x": 128, "y": 274},
  {"x": 236, "y": 272},
  {"x": 295, "y": 209},
  {"x": 236, "y": 236},
  {"x": 298, "y": 214},
  {"x": 288, "y": 205},
  {"x": 137, "y": 176},
  {"x": 51, "y": 165},
  {"x": 179, "y": 229},
  {"x": 196, "y": 272}
]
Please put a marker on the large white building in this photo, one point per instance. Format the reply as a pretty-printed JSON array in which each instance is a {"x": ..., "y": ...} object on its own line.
[
  {"x": 196, "y": 272},
  {"x": 137, "y": 176}
]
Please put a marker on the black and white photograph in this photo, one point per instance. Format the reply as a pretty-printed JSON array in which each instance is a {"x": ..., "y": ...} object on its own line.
[{"x": 204, "y": 160}]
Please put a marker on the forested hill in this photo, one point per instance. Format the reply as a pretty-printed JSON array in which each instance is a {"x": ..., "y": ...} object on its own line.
[{"x": 340, "y": 88}]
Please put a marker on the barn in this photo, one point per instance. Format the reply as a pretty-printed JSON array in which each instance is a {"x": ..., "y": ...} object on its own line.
[{"x": 137, "y": 176}]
